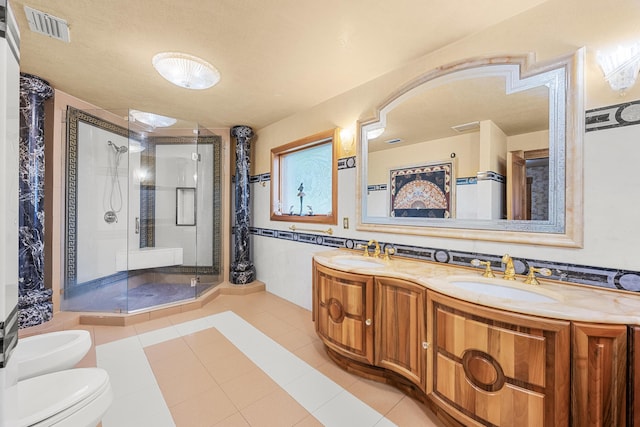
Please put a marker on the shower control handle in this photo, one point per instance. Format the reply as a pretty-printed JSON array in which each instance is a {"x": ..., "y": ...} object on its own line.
[{"x": 137, "y": 225}]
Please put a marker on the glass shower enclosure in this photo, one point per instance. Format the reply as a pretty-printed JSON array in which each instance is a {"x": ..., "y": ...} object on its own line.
[{"x": 142, "y": 211}]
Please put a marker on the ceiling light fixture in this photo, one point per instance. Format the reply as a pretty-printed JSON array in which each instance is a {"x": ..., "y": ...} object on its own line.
[
  {"x": 151, "y": 119},
  {"x": 621, "y": 67},
  {"x": 185, "y": 70}
]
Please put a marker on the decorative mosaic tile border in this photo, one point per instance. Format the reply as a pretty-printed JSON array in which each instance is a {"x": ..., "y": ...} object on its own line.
[
  {"x": 613, "y": 116},
  {"x": 491, "y": 176},
  {"x": 347, "y": 163},
  {"x": 470, "y": 180},
  {"x": 574, "y": 273}
]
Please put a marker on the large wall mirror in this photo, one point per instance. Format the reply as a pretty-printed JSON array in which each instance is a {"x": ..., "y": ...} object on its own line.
[{"x": 487, "y": 149}]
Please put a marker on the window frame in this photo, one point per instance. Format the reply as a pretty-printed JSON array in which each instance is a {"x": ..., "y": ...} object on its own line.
[{"x": 278, "y": 153}]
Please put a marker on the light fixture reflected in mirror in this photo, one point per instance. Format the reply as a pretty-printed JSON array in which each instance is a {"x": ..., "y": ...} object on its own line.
[
  {"x": 151, "y": 119},
  {"x": 187, "y": 71},
  {"x": 621, "y": 67},
  {"x": 374, "y": 133}
]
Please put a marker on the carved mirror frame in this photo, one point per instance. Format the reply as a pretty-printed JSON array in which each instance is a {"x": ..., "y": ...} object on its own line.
[{"x": 565, "y": 225}]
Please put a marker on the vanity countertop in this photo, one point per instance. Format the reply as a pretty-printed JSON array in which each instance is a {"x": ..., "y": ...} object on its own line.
[{"x": 550, "y": 299}]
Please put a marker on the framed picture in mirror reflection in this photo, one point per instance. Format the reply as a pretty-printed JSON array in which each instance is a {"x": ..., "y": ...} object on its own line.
[{"x": 423, "y": 191}]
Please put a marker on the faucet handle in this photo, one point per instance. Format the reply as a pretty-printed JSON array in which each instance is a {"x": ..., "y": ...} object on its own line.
[
  {"x": 487, "y": 271},
  {"x": 531, "y": 277},
  {"x": 388, "y": 251},
  {"x": 365, "y": 247}
]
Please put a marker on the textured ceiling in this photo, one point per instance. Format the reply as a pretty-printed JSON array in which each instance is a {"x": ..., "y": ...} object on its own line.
[{"x": 276, "y": 57}]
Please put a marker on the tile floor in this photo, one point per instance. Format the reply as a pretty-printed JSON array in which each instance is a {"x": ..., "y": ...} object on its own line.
[{"x": 252, "y": 360}]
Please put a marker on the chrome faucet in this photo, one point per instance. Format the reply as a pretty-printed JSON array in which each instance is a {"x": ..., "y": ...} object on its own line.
[{"x": 509, "y": 269}]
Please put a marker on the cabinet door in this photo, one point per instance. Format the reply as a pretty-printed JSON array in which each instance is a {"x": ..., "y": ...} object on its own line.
[
  {"x": 599, "y": 375},
  {"x": 344, "y": 312},
  {"x": 399, "y": 328},
  {"x": 634, "y": 377},
  {"x": 496, "y": 368}
]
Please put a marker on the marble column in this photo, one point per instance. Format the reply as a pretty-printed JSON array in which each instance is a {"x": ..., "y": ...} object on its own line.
[
  {"x": 242, "y": 270},
  {"x": 34, "y": 300}
]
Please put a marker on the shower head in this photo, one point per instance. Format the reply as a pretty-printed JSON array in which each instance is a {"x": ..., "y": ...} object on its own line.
[{"x": 120, "y": 150}]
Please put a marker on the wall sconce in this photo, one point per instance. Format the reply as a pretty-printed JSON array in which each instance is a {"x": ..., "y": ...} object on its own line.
[
  {"x": 621, "y": 67},
  {"x": 346, "y": 139}
]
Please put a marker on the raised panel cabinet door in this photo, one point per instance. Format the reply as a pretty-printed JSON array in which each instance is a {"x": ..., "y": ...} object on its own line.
[
  {"x": 400, "y": 332},
  {"x": 489, "y": 367},
  {"x": 599, "y": 375},
  {"x": 343, "y": 307}
]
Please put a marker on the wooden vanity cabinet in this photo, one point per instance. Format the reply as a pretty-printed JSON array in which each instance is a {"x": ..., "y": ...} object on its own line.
[
  {"x": 400, "y": 330},
  {"x": 343, "y": 312},
  {"x": 475, "y": 365},
  {"x": 491, "y": 367},
  {"x": 633, "y": 393}
]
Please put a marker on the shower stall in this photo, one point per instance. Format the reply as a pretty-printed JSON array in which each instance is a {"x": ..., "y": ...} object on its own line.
[{"x": 142, "y": 211}]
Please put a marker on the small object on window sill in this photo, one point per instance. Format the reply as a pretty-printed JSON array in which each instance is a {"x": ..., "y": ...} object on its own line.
[{"x": 309, "y": 210}]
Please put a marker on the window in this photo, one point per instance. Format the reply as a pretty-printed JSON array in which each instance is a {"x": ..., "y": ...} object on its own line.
[{"x": 304, "y": 180}]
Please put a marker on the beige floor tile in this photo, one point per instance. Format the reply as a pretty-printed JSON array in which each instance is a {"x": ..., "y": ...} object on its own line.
[
  {"x": 235, "y": 420},
  {"x": 181, "y": 379},
  {"x": 379, "y": 396},
  {"x": 107, "y": 334},
  {"x": 225, "y": 365},
  {"x": 152, "y": 325},
  {"x": 204, "y": 338},
  {"x": 309, "y": 421},
  {"x": 271, "y": 325},
  {"x": 410, "y": 412},
  {"x": 338, "y": 375},
  {"x": 204, "y": 409},
  {"x": 276, "y": 410},
  {"x": 293, "y": 340},
  {"x": 313, "y": 353},
  {"x": 89, "y": 360},
  {"x": 177, "y": 350},
  {"x": 249, "y": 388},
  {"x": 186, "y": 316}
]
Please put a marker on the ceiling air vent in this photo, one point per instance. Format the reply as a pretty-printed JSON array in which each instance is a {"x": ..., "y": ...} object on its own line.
[
  {"x": 467, "y": 127},
  {"x": 42, "y": 23},
  {"x": 393, "y": 141}
]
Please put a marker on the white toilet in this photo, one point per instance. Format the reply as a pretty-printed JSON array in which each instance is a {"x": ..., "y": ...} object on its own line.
[
  {"x": 71, "y": 398},
  {"x": 50, "y": 352}
]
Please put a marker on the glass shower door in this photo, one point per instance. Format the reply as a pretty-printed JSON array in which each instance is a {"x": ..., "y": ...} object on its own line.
[{"x": 163, "y": 265}]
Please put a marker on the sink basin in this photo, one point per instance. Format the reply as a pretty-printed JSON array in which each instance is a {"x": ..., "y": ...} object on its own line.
[
  {"x": 358, "y": 261},
  {"x": 500, "y": 291}
]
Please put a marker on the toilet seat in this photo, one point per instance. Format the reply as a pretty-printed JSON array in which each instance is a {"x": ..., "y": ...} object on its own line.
[{"x": 75, "y": 397}]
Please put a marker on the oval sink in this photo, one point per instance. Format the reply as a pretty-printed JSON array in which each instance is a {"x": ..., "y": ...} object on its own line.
[
  {"x": 500, "y": 291},
  {"x": 358, "y": 261}
]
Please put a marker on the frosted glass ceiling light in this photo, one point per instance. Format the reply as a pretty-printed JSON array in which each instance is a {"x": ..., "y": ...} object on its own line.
[
  {"x": 151, "y": 119},
  {"x": 186, "y": 71},
  {"x": 621, "y": 67}
]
